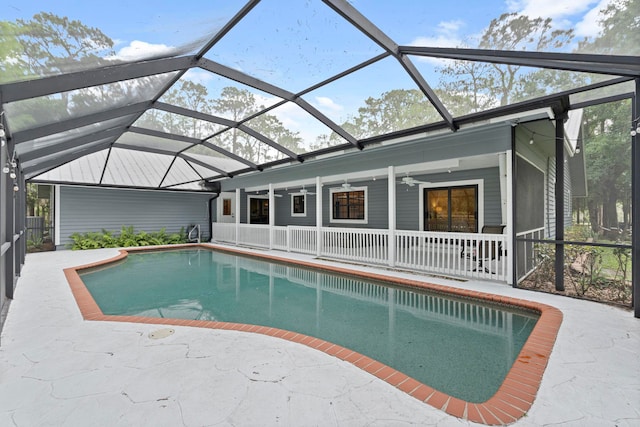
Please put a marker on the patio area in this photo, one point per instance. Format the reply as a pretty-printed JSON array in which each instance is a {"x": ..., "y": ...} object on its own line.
[{"x": 57, "y": 369}]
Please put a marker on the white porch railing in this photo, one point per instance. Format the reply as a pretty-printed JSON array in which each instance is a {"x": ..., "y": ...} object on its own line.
[
  {"x": 355, "y": 244},
  {"x": 472, "y": 255},
  {"x": 460, "y": 254}
]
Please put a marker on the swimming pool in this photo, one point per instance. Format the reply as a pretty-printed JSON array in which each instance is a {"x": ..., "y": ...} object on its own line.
[{"x": 457, "y": 345}]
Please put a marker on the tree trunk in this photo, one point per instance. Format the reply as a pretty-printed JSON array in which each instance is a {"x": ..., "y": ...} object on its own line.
[
  {"x": 594, "y": 218},
  {"x": 610, "y": 214}
]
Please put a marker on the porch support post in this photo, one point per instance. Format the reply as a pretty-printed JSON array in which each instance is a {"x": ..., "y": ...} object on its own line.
[
  {"x": 318, "y": 216},
  {"x": 272, "y": 214},
  {"x": 635, "y": 205},
  {"x": 391, "y": 203},
  {"x": 508, "y": 219},
  {"x": 56, "y": 215},
  {"x": 237, "y": 216},
  {"x": 559, "y": 196},
  {"x": 502, "y": 167}
]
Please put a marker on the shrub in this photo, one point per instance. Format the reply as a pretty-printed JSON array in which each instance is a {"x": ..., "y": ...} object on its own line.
[{"x": 128, "y": 237}]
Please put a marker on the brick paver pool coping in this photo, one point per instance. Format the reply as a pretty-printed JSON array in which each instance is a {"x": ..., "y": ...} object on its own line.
[{"x": 512, "y": 400}]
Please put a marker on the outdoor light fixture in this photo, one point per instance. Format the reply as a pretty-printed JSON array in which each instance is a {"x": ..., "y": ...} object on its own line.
[
  {"x": 635, "y": 130},
  {"x": 16, "y": 188},
  {"x": 531, "y": 140},
  {"x": 12, "y": 175},
  {"x": 2, "y": 132},
  {"x": 577, "y": 149},
  {"x": 5, "y": 169}
]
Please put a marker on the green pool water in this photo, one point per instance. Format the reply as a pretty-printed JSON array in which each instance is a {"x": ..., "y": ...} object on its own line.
[{"x": 458, "y": 346}]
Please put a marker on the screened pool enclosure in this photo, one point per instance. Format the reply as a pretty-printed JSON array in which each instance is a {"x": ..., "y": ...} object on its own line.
[{"x": 266, "y": 96}]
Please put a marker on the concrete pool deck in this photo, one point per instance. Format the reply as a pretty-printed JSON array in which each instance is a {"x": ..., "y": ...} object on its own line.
[{"x": 58, "y": 369}]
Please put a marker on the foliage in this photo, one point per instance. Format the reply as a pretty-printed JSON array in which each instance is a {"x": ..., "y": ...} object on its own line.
[
  {"x": 127, "y": 238},
  {"x": 35, "y": 243},
  {"x": 620, "y": 30},
  {"x": 395, "y": 110},
  {"x": 478, "y": 86},
  {"x": 608, "y": 162},
  {"x": 597, "y": 273},
  {"x": 584, "y": 264}
]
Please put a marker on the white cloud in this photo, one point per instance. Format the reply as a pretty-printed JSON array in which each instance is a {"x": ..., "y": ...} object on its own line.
[
  {"x": 582, "y": 15},
  {"x": 447, "y": 35},
  {"x": 142, "y": 50},
  {"x": 589, "y": 26},
  {"x": 327, "y": 104},
  {"x": 198, "y": 75},
  {"x": 554, "y": 9}
]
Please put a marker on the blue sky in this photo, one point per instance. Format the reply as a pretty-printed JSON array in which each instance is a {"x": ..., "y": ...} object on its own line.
[{"x": 295, "y": 43}]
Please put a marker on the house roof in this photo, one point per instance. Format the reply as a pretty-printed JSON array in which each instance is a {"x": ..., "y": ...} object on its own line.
[{"x": 139, "y": 121}]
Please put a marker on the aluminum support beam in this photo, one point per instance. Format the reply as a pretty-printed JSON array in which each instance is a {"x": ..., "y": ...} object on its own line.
[
  {"x": 42, "y": 167},
  {"x": 30, "y": 156},
  {"x": 203, "y": 164},
  {"x": 243, "y": 78},
  {"x": 66, "y": 82},
  {"x": 635, "y": 205},
  {"x": 194, "y": 141},
  {"x": 77, "y": 122},
  {"x": 617, "y": 65},
  {"x": 193, "y": 114},
  {"x": 559, "y": 199},
  {"x": 227, "y": 27},
  {"x": 352, "y": 15}
]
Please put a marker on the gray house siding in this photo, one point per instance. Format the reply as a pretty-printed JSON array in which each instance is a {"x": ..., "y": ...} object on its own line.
[
  {"x": 408, "y": 209},
  {"x": 377, "y": 196},
  {"x": 470, "y": 142},
  {"x": 407, "y": 201},
  {"x": 84, "y": 209},
  {"x": 551, "y": 191}
]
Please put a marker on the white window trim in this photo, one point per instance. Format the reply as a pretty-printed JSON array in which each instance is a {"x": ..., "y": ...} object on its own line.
[
  {"x": 478, "y": 182},
  {"x": 348, "y": 190},
  {"x": 304, "y": 204}
]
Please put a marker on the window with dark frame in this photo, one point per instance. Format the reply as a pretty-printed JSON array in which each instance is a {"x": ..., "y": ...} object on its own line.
[
  {"x": 298, "y": 204},
  {"x": 349, "y": 205},
  {"x": 451, "y": 209}
]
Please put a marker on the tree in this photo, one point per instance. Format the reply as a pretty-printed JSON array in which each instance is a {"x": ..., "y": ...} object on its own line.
[
  {"x": 10, "y": 51},
  {"x": 620, "y": 34},
  {"x": 54, "y": 44},
  {"x": 46, "y": 45},
  {"x": 606, "y": 126},
  {"x": 485, "y": 85},
  {"x": 395, "y": 110},
  {"x": 238, "y": 104},
  {"x": 607, "y": 151}
]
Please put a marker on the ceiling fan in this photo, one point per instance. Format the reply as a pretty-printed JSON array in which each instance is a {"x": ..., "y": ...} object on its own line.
[
  {"x": 258, "y": 193},
  {"x": 303, "y": 191},
  {"x": 411, "y": 181}
]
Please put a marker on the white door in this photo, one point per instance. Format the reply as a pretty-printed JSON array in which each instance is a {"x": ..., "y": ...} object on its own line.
[{"x": 227, "y": 207}]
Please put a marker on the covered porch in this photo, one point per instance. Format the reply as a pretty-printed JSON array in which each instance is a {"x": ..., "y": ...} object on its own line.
[{"x": 458, "y": 252}]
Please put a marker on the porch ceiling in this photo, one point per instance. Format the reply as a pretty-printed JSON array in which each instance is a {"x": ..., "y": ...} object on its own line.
[{"x": 260, "y": 84}]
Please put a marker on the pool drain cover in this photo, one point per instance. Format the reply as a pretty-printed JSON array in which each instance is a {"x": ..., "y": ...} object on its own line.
[{"x": 161, "y": 333}]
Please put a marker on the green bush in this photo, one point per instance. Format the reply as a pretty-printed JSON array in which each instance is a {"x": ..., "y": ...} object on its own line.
[{"x": 127, "y": 237}]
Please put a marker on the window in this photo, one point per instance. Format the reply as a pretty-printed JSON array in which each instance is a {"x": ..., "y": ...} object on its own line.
[
  {"x": 258, "y": 211},
  {"x": 226, "y": 206},
  {"x": 298, "y": 205},
  {"x": 451, "y": 209},
  {"x": 349, "y": 205}
]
